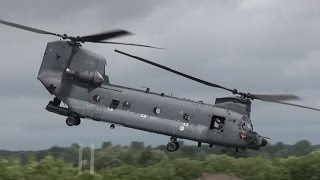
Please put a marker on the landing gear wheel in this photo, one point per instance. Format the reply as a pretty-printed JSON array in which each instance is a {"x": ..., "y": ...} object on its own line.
[
  {"x": 78, "y": 121},
  {"x": 112, "y": 126},
  {"x": 70, "y": 121},
  {"x": 177, "y": 144},
  {"x": 172, "y": 146}
]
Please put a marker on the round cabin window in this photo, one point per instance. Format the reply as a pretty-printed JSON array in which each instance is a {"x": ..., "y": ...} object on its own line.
[
  {"x": 157, "y": 110},
  {"x": 96, "y": 98},
  {"x": 187, "y": 117},
  {"x": 126, "y": 105}
]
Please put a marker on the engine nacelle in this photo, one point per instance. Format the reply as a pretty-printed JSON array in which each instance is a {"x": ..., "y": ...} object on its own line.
[{"x": 93, "y": 78}]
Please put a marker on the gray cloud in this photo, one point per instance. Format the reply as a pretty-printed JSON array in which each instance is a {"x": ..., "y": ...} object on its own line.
[
  {"x": 110, "y": 11},
  {"x": 257, "y": 46}
]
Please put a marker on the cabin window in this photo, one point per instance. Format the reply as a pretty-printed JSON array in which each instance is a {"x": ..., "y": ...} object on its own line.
[
  {"x": 187, "y": 117},
  {"x": 96, "y": 98},
  {"x": 126, "y": 105},
  {"x": 217, "y": 123},
  {"x": 114, "y": 103},
  {"x": 156, "y": 110}
]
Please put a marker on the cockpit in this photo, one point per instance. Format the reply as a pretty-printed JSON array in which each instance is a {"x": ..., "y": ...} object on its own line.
[{"x": 247, "y": 124}]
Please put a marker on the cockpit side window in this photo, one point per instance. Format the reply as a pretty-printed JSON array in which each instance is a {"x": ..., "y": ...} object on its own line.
[
  {"x": 244, "y": 127},
  {"x": 217, "y": 123},
  {"x": 247, "y": 124}
]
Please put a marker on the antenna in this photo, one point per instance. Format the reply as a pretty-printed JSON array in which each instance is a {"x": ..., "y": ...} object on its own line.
[
  {"x": 80, "y": 160},
  {"x": 92, "y": 159}
]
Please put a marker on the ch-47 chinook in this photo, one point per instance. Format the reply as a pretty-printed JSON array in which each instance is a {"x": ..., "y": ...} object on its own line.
[{"x": 76, "y": 77}]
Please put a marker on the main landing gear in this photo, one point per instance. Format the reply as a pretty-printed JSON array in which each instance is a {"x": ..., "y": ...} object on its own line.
[
  {"x": 56, "y": 102},
  {"x": 173, "y": 145},
  {"x": 54, "y": 106},
  {"x": 73, "y": 121}
]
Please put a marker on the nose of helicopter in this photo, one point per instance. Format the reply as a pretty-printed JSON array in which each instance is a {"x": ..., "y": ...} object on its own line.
[
  {"x": 255, "y": 140},
  {"x": 264, "y": 142}
]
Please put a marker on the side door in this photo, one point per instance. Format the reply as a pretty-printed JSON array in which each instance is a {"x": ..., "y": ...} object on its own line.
[{"x": 216, "y": 128}]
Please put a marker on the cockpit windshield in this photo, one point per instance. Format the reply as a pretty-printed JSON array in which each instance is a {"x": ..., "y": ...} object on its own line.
[{"x": 249, "y": 123}]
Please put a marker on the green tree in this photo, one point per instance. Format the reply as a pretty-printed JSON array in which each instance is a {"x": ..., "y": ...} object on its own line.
[
  {"x": 12, "y": 169},
  {"x": 304, "y": 167},
  {"x": 87, "y": 176},
  {"x": 50, "y": 168},
  {"x": 301, "y": 148},
  {"x": 219, "y": 163},
  {"x": 150, "y": 156},
  {"x": 187, "y": 169},
  {"x": 105, "y": 145},
  {"x": 254, "y": 168},
  {"x": 137, "y": 145}
]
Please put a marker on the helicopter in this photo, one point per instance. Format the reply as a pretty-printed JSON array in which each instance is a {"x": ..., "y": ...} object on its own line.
[{"x": 76, "y": 77}]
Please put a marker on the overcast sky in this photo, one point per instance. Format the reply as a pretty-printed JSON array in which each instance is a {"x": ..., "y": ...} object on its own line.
[{"x": 259, "y": 46}]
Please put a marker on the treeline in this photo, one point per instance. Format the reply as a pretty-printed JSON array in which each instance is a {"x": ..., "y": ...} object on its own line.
[{"x": 279, "y": 161}]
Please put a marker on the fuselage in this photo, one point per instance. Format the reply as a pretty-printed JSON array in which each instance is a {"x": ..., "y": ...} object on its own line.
[{"x": 138, "y": 109}]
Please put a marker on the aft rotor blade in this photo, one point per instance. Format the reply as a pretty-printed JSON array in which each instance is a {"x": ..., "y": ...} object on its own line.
[
  {"x": 129, "y": 44},
  {"x": 175, "y": 72},
  {"x": 276, "y": 97},
  {"x": 39, "y": 31},
  {"x": 105, "y": 35},
  {"x": 296, "y": 105}
]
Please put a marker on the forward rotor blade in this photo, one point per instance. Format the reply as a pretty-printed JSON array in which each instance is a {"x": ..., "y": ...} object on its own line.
[
  {"x": 296, "y": 105},
  {"x": 175, "y": 72},
  {"x": 28, "y": 28},
  {"x": 276, "y": 97},
  {"x": 279, "y": 98},
  {"x": 129, "y": 44},
  {"x": 105, "y": 35}
]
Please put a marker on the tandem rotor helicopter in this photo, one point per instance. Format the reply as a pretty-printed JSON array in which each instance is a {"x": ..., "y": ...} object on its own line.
[{"x": 76, "y": 76}]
